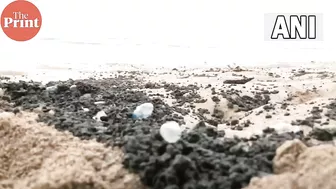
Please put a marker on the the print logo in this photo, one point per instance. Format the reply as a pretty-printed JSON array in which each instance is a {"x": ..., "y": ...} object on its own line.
[
  {"x": 21, "y": 20},
  {"x": 293, "y": 27}
]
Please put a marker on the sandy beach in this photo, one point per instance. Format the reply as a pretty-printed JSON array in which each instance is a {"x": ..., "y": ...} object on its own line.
[
  {"x": 293, "y": 90},
  {"x": 167, "y": 94},
  {"x": 237, "y": 101}
]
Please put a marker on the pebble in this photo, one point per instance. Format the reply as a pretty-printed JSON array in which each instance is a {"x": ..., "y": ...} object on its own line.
[
  {"x": 171, "y": 132},
  {"x": 85, "y": 97},
  {"x": 16, "y": 110},
  {"x": 85, "y": 109},
  {"x": 51, "y": 88},
  {"x": 73, "y": 87},
  {"x": 51, "y": 112},
  {"x": 321, "y": 134},
  {"x": 234, "y": 122},
  {"x": 144, "y": 111},
  {"x": 99, "y": 102},
  {"x": 99, "y": 114}
]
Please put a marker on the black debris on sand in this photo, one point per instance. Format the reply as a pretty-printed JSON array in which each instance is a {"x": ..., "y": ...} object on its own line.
[
  {"x": 200, "y": 160},
  {"x": 244, "y": 102},
  {"x": 238, "y": 81},
  {"x": 331, "y": 113}
]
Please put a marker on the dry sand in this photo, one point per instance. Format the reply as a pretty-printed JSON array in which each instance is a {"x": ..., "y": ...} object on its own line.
[
  {"x": 35, "y": 156},
  {"x": 309, "y": 86},
  {"x": 300, "y": 167}
]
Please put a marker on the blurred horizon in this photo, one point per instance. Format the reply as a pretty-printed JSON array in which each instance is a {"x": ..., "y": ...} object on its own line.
[{"x": 171, "y": 33}]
